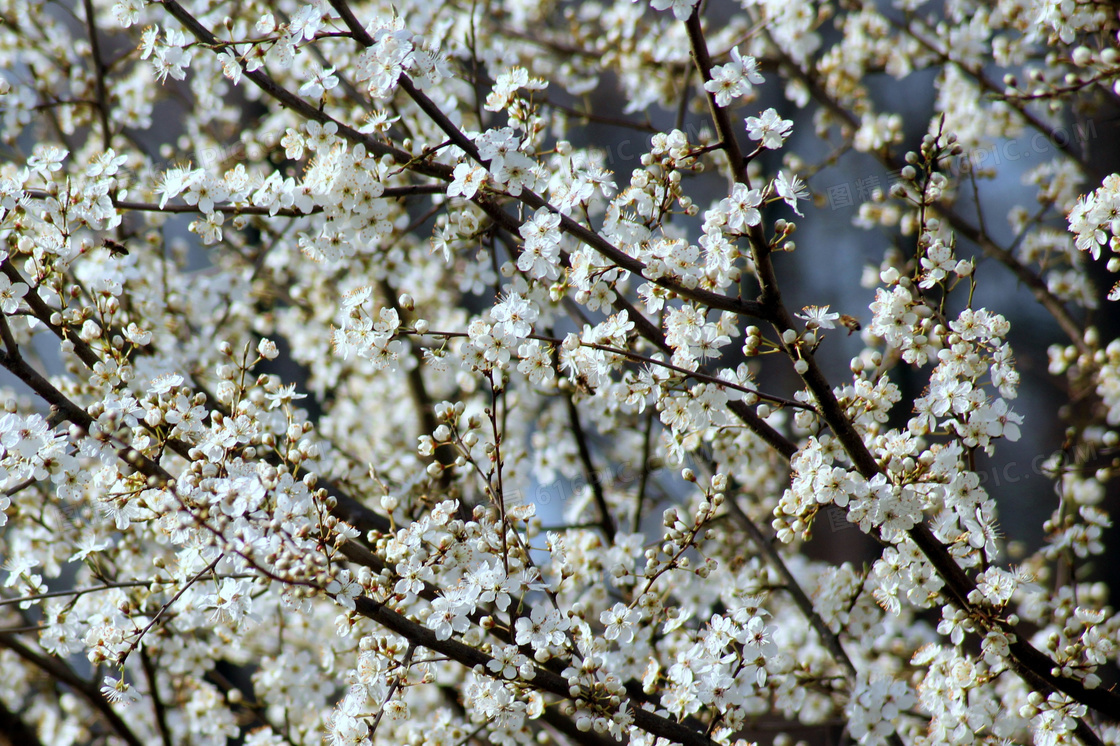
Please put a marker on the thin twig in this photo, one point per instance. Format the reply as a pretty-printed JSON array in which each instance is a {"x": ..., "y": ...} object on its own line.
[
  {"x": 643, "y": 477},
  {"x": 158, "y": 707},
  {"x": 394, "y": 686},
  {"x": 99, "y": 73},
  {"x": 606, "y": 520}
]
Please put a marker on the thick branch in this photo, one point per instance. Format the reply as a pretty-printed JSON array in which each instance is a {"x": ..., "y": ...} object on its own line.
[
  {"x": 61, "y": 673},
  {"x": 725, "y": 134},
  {"x": 158, "y": 706},
  {"x": 535, "y": 201},
  {"x": 14, "y": 731},
  {"x": 545, "y": 680},
  {"x": 1034, "y": 665},
  {"x": 99, "y": 73}
]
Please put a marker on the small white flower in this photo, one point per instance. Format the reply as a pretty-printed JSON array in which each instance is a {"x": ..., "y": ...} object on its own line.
[
  {"x": 116, "y": 691},
  {"x": 321, "y": 80},
  {"x": 619, "y": 621},
  {"x": 770, "y": 128},
  {"x": 46, "y": 160},
  {"x": 818, "y": 317},
  {"x": 790, "y": 189},
  {"x": 742, "y": 208},
  {"x": 467, "y": 180},
  {"x": 682, "y": 9},
  {"x": 10, "y": 293}
]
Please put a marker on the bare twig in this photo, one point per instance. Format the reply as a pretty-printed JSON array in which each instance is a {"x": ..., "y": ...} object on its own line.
[
  {"x": 99, "y": 73},
  {"x": 606, "y": 520},
  {"x": 158, "y": 707}
]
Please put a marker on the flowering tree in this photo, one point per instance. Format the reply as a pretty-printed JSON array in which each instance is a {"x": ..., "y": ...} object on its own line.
[{"x": 205, "y": 541}]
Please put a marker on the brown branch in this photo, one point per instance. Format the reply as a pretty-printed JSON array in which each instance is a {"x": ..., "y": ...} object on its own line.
[
  {"x": 231, "y": 209},
  {"x": 158, "y": 707},
  {"x": 606, "y": 520},
  {"x": 725, "y": 133},
  {"x": 643, "y": 478},
  {"x": 626, "y": 124},
  {"x": 14, "y": 731},
  {"x": 417, "y": 388},
  {"x": 43, "y": 313},
  {"x": 289, "y": 212},
  {"x": 770, "y": 297},
  {"x": 62, "y": 673},
  {"x": 394, "y": 687},
  {"x": 544, "y": 680},
  {"x": 75, "y": 592},
  {"x": 1032, "y": 665},
  {"x": 99, "y": 73},
  {"x": 535, "y": 201}
]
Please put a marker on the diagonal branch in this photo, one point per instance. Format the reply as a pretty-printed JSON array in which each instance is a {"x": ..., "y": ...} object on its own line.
[
  {"x": 99, "y": 73},
  {"x": 1032, "y": 665},
  {"x": 606, "y": 520},
  {"x": 63, "y": 674},
  {"x": 535, "y": 201},
  {"x": 544, "y": 679},
  {"x": 15, "y": 730}
]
